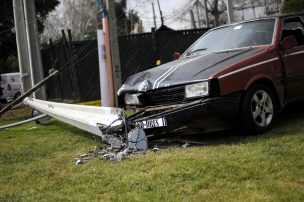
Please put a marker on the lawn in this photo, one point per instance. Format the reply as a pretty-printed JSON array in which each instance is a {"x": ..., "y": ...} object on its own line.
[{"x": 37, "y": 164}]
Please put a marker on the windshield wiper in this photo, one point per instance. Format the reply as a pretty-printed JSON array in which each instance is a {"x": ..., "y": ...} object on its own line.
[{"x": 197, "y": 50}]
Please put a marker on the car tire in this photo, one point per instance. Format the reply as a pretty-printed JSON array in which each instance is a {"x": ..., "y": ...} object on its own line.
[{"x": 259, "y": 109}]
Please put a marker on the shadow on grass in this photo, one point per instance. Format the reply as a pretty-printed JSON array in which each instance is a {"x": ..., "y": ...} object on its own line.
[{"x": 290, "y": 122}]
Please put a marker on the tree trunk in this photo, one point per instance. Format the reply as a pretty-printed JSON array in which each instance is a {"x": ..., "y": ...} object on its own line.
[{"x": 216, "y": 13}]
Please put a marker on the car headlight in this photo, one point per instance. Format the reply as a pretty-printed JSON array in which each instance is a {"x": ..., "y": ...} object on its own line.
[
  {"x": 197, "y": 90},
  {"x": 132, "y": 99}
]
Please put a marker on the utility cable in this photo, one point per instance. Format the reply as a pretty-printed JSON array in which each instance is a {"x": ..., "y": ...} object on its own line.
[{"x": 23, "y": 122}]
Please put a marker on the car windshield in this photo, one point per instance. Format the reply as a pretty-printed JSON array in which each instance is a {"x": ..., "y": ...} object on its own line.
[{"x": 240, "y": 35}]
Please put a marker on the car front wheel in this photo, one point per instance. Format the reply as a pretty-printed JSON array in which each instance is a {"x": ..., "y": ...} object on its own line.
[{"x": 259, "y": 109}]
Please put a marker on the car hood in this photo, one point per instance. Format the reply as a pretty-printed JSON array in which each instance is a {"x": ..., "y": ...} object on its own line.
[{"x": 185, "y": 70}]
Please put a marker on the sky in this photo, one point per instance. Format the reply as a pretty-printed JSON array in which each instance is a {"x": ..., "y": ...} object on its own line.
[
  {"x": 172, "y": 11},
  {"x": 176, "y": 13}
]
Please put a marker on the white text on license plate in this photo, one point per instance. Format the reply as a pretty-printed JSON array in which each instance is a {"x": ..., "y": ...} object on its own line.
[{"x": 152, "y": 123}]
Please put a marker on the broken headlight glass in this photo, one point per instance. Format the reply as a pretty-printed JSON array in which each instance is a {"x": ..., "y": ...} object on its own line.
[{"x": 197, "y": 90}]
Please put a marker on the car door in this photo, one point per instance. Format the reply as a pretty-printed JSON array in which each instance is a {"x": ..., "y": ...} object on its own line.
[{"x": 293, "y": 59}]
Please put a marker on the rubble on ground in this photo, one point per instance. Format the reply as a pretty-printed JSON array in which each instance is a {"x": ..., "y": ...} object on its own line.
[
  {"x": 119, "y": 148},
  {"x": 186, "y": 145},
  {"x": 109, "y": 153}
]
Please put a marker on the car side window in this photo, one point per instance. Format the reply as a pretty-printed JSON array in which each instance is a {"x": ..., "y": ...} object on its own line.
[{"x": 293, "y": 26}]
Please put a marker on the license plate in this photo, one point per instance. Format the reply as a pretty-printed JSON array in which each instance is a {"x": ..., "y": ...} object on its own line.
[{"x": 152, "y": 123}]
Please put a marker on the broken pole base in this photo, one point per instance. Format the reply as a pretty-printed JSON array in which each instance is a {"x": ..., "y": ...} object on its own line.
[{"x": 137, "y": 139}]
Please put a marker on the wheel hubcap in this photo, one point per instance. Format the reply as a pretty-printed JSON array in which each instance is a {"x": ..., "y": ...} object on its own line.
[{"x": 262, "y": 108}]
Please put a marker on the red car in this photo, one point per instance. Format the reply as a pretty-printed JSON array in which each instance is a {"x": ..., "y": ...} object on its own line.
[{"x": 239, "y": 73}]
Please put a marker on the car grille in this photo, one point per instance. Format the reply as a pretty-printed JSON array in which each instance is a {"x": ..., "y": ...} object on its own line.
[{"x": 165, "y": 96}]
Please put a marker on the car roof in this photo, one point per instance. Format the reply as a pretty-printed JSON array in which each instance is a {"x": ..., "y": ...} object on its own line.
[
  {"x": 274, "y": 16},
  {"x": 262, "y": 18},
  {"x": 288, "y": 15}
]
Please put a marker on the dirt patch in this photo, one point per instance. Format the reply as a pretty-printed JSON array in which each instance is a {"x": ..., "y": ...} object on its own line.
[{"x": 16, "y": 114}]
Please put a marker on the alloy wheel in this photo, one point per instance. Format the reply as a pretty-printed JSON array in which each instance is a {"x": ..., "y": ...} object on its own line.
[{"x": 262, "y": 108}]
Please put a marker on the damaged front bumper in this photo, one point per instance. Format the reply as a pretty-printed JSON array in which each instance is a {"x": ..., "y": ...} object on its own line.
[{"x": 203, "y": 115}]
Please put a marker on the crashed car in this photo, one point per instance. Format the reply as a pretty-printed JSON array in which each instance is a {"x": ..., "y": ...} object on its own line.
[{"x": 242, "y": 73}]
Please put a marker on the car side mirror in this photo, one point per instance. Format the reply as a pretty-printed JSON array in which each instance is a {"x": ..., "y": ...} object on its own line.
[
  {"x": 289, "y": 42},
  {"x": 176, "y": 55}
]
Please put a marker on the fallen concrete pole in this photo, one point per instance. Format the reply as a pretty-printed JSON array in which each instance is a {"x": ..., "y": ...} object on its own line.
[
  {"x": 106, "y": 122},
  {"x": 23, "y": 122},
  {"x": 88, "y": 118}
]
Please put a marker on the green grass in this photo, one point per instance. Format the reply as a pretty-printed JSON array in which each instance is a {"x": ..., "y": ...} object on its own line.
[{"x": 38, "y": 165}]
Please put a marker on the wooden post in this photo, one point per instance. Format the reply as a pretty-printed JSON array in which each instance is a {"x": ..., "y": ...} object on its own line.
[
  {"x": 21, "y": 39},
  {"x": 105, "y": 23},
  {"x": 116, "y": 68},
  {"x": 34, "y": 53}
]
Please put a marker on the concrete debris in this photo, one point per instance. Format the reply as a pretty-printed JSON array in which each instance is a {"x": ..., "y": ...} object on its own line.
[
  {"x": 137, "y": 139},
  {"x": 32, "y": 128},
  {"x": 113, "y": 140},
  {"x": 118, "y": 149},
  {"x": 80, "y": 161},
  {"x": 123, "y": 154},
  {"x": 109, "y": 153},
  {"x": 83, "y": 155},
  {"x": 155, "y": 148},
  {"x": 186, "y": 145},
  {"x": 96, "y": 149}
]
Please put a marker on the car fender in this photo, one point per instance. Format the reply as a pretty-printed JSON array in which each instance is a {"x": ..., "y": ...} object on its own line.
[
  {"x": 264, "y": 78},
  {"x": 238, "y": 82},
  {"x": 256, "y": 78}
]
